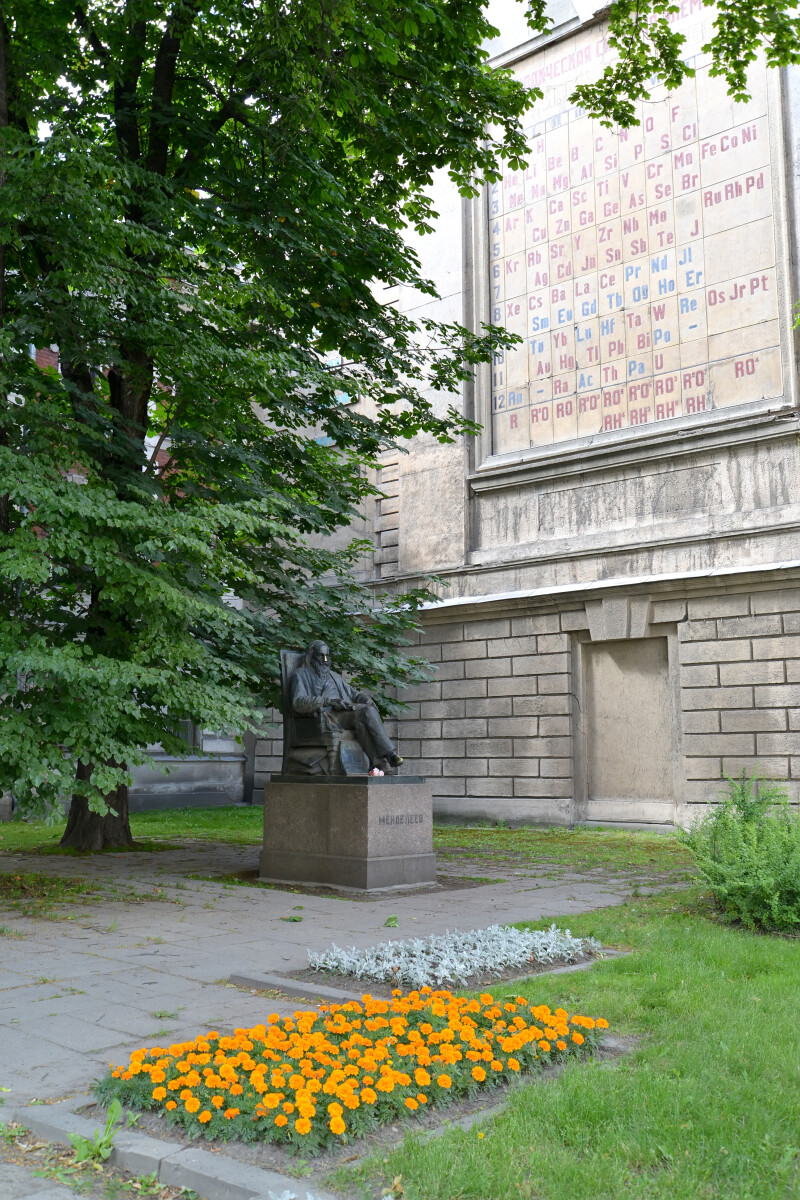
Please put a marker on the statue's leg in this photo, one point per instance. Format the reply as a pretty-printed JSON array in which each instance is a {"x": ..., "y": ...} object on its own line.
[{"x": 374, "y": 740}]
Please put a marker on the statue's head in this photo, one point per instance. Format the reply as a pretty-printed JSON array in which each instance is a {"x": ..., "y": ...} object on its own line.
[{"x": 318, "y": 656}]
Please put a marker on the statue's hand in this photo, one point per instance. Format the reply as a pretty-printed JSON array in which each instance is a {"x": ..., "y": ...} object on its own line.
[
  {"x": 364, "y": 698},
  {"x": 339, "y": 705}
]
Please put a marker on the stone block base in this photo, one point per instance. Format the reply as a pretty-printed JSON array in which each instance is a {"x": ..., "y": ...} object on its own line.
[{"x": 353, "y": 834}]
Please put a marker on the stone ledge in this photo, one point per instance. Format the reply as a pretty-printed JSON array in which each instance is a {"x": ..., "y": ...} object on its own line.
[
  {"x": 217, "y": 1178},
  {"x": 294, "y": 987},
  {"x": 213, "y": 1176}
]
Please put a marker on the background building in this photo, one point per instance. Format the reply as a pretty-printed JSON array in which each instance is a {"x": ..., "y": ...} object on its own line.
[{"x": 621, "y": 623}]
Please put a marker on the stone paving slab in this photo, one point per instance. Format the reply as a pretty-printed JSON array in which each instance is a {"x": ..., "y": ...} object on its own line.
[{"x": 107, "y": 981}]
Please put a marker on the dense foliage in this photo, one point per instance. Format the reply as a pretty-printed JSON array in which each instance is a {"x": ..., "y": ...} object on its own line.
[
  {"x": 748, "y": 850},
  {"x": 200, "y": 202}
]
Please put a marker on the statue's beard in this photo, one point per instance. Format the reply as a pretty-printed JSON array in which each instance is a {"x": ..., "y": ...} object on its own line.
[{"x": 321, "y": 670}]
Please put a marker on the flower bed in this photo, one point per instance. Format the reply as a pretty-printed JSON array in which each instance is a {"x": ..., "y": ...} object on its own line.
[
  {"x": 447, "y": 959},
  {"x": 321, "y": 1077}
]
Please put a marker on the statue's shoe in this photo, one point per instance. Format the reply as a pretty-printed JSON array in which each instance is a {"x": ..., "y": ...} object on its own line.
[{"x": 394, "y": 760}]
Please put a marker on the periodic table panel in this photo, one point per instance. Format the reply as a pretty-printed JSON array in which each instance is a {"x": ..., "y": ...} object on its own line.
[{"x": 639, "y": 265}]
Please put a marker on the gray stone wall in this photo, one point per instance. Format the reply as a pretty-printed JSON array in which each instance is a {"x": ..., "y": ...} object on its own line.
[
  {"x": 504, "y": 729},
  {"x": 740, "y": 686},
  {"x": 495, "y": 722}
]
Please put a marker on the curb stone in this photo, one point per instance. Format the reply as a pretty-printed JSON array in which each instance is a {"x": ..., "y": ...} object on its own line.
[
  {"x": 294, "y": 987},
  {"x": 213, "y": 1176}
]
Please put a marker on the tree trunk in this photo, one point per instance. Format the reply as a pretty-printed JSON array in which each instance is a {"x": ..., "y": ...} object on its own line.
[{"x": 87, "y": 830}]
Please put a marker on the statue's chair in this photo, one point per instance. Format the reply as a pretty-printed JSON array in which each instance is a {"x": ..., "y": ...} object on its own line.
[{"x": 310, "y": 747}]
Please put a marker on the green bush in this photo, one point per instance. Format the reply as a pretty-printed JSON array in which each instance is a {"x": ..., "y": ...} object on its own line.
[{"x": 748, "y": 850}]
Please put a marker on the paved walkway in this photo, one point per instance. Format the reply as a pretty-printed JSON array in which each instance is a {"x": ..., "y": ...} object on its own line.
[{"x": 85, "y": 989}]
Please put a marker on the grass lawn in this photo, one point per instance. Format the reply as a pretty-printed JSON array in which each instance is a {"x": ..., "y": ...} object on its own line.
[
  {"x": 611, "y": 849},
  {"x": 707, "y": 1106},
  {"x": 237, "y": 826},
  {"x": 36, "y": 895}
]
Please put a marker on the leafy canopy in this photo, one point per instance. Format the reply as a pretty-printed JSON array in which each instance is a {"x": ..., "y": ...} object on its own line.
[{"x": 202, "y": 205}]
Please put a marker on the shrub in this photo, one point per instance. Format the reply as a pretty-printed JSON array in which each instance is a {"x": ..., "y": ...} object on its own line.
[
  {"x": 748, "y": 850},
  {"x": 320, "y": 1077}
]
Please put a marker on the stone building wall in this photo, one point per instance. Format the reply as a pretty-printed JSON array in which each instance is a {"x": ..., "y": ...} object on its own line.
[{"x": 511, "y": 727}]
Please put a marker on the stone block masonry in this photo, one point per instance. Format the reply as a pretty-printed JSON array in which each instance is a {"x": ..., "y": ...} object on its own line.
[
  {"x": 518, "y": 749},
  {"x": 512, "y": 750}
]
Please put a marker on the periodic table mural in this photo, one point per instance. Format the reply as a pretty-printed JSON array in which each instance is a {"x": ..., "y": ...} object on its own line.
[{"x": 638, "y": 266}]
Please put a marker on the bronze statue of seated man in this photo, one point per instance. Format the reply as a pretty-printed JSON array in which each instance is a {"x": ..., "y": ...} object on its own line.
[{"x": 315, "y": 689}]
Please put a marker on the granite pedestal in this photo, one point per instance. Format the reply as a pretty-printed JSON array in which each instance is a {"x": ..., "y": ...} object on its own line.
[{"x": 352, "y": 833}]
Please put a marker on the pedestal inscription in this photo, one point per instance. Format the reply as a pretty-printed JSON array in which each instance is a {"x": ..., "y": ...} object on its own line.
[{"x": 365, "y": 833}]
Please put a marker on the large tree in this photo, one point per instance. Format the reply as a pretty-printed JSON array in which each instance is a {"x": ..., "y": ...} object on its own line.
[{"x": 201, "y": 202}]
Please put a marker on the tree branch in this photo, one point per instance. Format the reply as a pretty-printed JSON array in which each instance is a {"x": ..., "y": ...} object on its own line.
[
  {"x": 82, "y": 21},
  {"x": 163, "y": 87},
  {"x": 125, "y": 103}
]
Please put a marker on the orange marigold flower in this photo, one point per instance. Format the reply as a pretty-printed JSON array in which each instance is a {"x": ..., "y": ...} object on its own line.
[
  {"x": 303, "y": 1125},
  {"x": 230, "y": 1113},
  {"x": 336, "y": 1125},
  {"x": 512, "y": 1064},
  {"x": 478, "y": 1073},
  {"x": 159, "y": 1093},
  {"x": 496, "y": 1065},
  {"x": 422, "y": 1098},
  {"x": 486, "y": 998},
  {"x": 578, "y": 1039},
  {"x": 218, "y": 1101},
  {"x": 287, "y": 1106},
  {"x": 561, "y": 1045},
  {"x": 422, "y": 1077},
  {"x": 204, "y": 1117},
  {"x": 602, "y": 1023},
  {"x": 444, "y": 1081},
  {"x": 236, "y": 1089},
  {"x": 281, "y": 1120},
  {"x": 543, "y": 1045},
  {"x": 171, "y": 1104},
  {"x": 192, "y": 1104},
  {"x": 368, "y": 1096},
  {"x": 411, "y": 1103}
]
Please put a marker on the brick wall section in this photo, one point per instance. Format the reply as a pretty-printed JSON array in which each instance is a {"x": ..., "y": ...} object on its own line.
[
  {"x": 740, "y": 689},
  {"x": 495, "y": 722},
  {"x": 387, "y": 517},
  {"x": 268, "y": 757}
]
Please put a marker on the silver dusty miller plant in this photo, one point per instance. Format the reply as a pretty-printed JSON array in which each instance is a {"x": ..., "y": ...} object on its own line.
[{"x": 454, "y": 958}]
